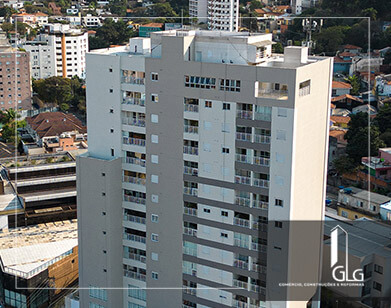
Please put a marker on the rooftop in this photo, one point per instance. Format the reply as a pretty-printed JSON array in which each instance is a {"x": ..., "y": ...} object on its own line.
[
  {"x": 345, "y": 96},
  {"x": 366, "y": 195},
  {"x": 340, "y": 119},
  {"x": 366, "y": 237},
  {"x": 341, "y": 85},
  {"x": 27, "y": 251}
]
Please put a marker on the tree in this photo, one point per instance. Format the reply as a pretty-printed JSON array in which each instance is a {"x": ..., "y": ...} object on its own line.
[
  {"x": 278, "y": 48},
  {"x": 330, "y": 39},
  {"x": 355, "y": 83},
  {"x": 387, "y": 57},
  {"x": 369, "y": 12},
  {"x": 162, "y": 9},
  {"x": 343, "y": 164},
  {"x": 383, "y": 118},
  {"x": 255, "y": 5},
  {"x": 118, "y": 7},
  {"x": 55, "y": 90}
]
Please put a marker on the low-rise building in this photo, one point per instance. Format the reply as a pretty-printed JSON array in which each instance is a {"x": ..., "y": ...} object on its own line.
[
  {"x": 337, "y": 144},
  {"x": 339, "y": 121},
  {"x": 346, "y": 101},
  {"x": 49, "y": 126},
  {"x": 38, "y": 264},
  {"x": 368, "y": 250},
  {"x": 385, "y": 211},
  {"x": 145, "y": 30},
  {"x": 354, "y": 203},
  {"x": 32, "y": 19},
  {"x": 340, "y": 88},
  {"x": 379, "y": 166}
]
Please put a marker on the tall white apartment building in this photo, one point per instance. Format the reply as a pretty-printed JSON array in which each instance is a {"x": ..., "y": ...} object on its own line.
[
  {"x": 221, "y": 15},
  {"x": 60, "y": 51},
  {"x": 202, "y": 147},
  {"x": 298, "y": 6}
]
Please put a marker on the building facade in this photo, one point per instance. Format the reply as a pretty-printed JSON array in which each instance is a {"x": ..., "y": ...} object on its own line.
[
  {"x": 15, "y": 84},
  {"x": 201, "y": 163}
]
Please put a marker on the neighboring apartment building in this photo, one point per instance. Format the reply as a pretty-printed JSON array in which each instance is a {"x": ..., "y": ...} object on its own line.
[
  {"x": 369, "y": 249},
  {"x": 35, "y": 20},
  {"x": 218, "y": 14},
  {"x": 15, "y": 84},
  {"x": 354, "y": 203},
  {"x": 60, "y": 51},
  {"x": 38, "y": 264},
  {"x": 71, "y": 45},
  {"x": 298, "y": 6},
  {"x": 42, "y": 57},
  {"x": 196, "y": 134}
]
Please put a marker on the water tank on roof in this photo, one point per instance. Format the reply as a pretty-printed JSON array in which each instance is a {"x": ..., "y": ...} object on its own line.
[{"x": 347, "y": 190}]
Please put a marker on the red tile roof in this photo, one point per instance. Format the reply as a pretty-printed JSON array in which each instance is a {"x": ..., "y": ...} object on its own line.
[
  {"x": 342, "y": 97},
  {"x": 153, "y": 25},
  {"x": 349, "y": 46},
  {"x": 260, "y": 11},
  {"x": 55, "y": 123},
  {"x": 340, "y": 119},
  {"x": 332, "y": 106},
  {"x": 346, "y": 54},
  {"x": 341, "y": 85},
  {"x": 336, "y": 133}
]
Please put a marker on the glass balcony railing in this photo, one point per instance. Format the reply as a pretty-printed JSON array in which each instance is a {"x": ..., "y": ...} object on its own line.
[
  {"x": 261, "y": 183},
  {"x": 133, "y": 80},
  {"x": 134, "y": 199},
  {"x": 243, "y": 136},
  {"x": 243, "y": 158},
  {"x": 191, "y": 108},
  {"x": 242, "y": 201},
  {"x": 190, "y": 191},
  {"x": 134, "y": 238},
  {"x": 241, "y": 222},
  {"x": 135, "y": 219},
  {"x": 134, "y": 161},
  {"x": 190, "y": 231},
  {"x": 261, "y": 139},
  {"x": 134, "y": 101},
  {"x": 134, "y": 141},
  {"x": 244, "y": 114},
  {"x": 190, "y": 150},
  {"x": 262, "y": 161},
  {"x": 190, "y": 171},
  {"x": 134, "y": 180},
  {"x": 134, "y": 275},
  {"x": 190, "y": 211},
  {"x": 240, "y": 264},
  {"x": 191, "y": 129},
  {"x": 133, "y": 122},
  {"x": 242, "y": 180}
]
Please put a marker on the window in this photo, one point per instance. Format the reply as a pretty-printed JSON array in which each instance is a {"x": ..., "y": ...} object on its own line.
[
  {"x": 111, "y": 90},
  {"x": 137, "y": 293},
  {"x": 226, "y": 106},
  {"x": 278, "y": 248},
  {"x": 377, "y": 286},
  {"x": 111, "y": 130},
  {"x": 93, "y": 305},
  {"x": 103, "y": 213},
  {"x": 154, "y": 138},
  {"x": 281, "y": 135},
  {"x": 103, "y": 194},
  {"x": 104, "y": 232},
  {"x": 206, "y": 210},
  {"x": 154, "y": 256},
  {"x": 112, "y": 152},
  {"x": 225, "y": 128},
  {"x": 304, "y": 88},
  {"x": 378, "y": 269},
  {"x": 200, "y": 82},
  {"x": 110, "y": 70},
  {"x": 111, "y": 110},
  {"x": 155, "y": 159},
  {"x": 230, "y": 85},
  {"x": 155, "y": 198},
  {"x": 279, "y": 202},
  {"x": 225, "y": 150},
  {"x": 155, "y": 275},
  {"x": 103, "y": 174},
  {"x": 224, "y": 213},
  {"x": 208, "y": 104},
  {"x": 154, "y": 178},
  {"x": 154, "y": 237},
  {"x": 154, "y": 218},
  {"x": 222, "y": 234},
  {"x": 104, "y": 251},
  {"x": 154, "y": 118},
  {"x": 154, "y": 76},
  {"x": 374, "y": 208},
  {"x": 154, "y": 98},
  {"x": 98, "y": 293},
  {"x": 278, "y": 224},
  {"x": 207, "y": 147}
]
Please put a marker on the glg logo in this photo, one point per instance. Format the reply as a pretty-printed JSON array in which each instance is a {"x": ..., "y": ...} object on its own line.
[{"x": 340, "y": 273}]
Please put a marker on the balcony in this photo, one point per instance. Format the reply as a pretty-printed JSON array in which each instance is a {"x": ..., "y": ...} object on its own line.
[
  {"x": 242, "y": 201},
  {"x": 258, "y": 247},
  {"x": 259, "y": 226},
  {"x": 241, "y": 158},
  {"x": 241, "y": 243},
  {"x": 134, "y": 275},
  {"x": 262, "y": 161},
  {"x": 191, "y": 129},
  {"x": 273, "y": 94},
  {"x": 244, "y": 114},
  {"x": 135, "y": 219},
  {"x": 243, "y": 136},
  {"x": 190, "y": 171},
  {"x": 239, "y": 304},
  {"x": 134, "y": 238},
  {"x": 190, "y": 191},
  {"x": 240, "y": 284},
  {"x": 261, "y": 183},
  {"x": 241, "y": 222},
  {"x": 190, "y": 211},
  {"x": 260, "y": 204},
  {"x": 133, "y": 80},
  {"x": 134, "y": 180},
  {"x": 261, "y": 139},
  {"x": 190, "y": 150},
  {"x": 190, "y": 251},
  {"x": 133, "y": 199},
  {"x": 191, "y": 108},
  {"x": 133, "y": 122},
  {"x": 242, "y": 180},
  {"x": 136, "y": 257},
  {"x": 133, "y": 141},
  {"x": 134, "y": 101},
  {"x": 258, "y": 268},
  {"x": 190, "y": 291},
  {"x": 190, "y": 231},
  {"x": 241, "y": 264},
  {"x": 134, "y": 161}
]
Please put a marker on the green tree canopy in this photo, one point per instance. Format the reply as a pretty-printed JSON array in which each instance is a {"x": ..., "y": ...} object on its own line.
[{"x": 55, "y": 90}]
